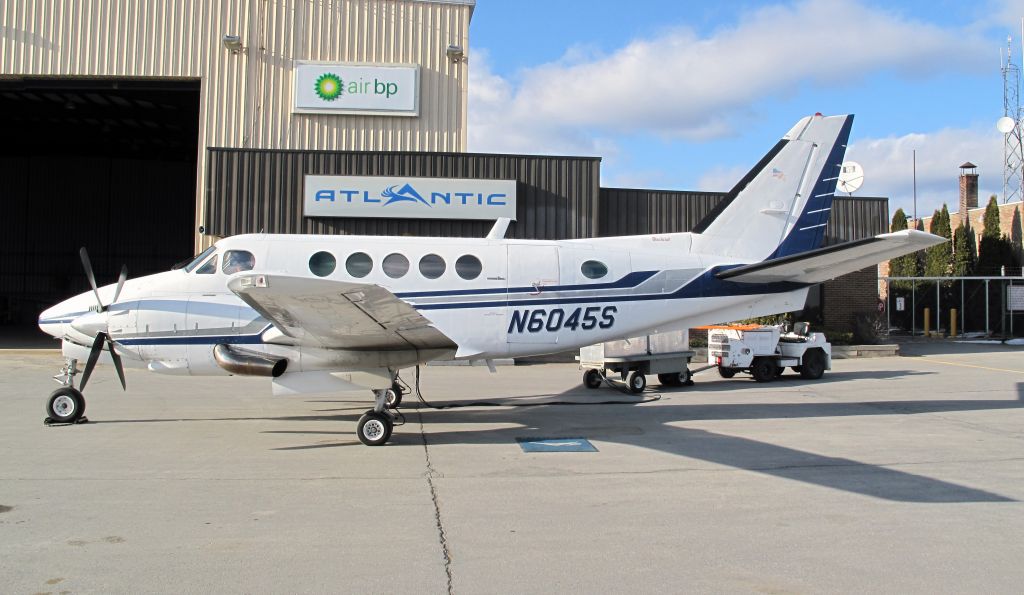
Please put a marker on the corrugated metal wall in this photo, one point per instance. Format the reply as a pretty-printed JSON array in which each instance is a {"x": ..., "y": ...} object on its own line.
[
  {"x": 261, "y": 190},
  {"x": 854, "y": 218},
  {"x": 246, "y": 98},
  {"x": 631, "y": 211}
]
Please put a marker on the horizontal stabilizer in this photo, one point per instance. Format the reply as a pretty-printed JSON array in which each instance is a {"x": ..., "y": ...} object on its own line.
[{"x": 832, "y": 261}]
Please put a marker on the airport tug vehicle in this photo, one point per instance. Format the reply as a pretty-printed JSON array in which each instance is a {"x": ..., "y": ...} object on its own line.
[{"x": 765, "y": 351}]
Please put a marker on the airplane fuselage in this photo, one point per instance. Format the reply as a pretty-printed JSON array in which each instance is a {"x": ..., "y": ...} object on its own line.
[{"x": 492, "y": 298}]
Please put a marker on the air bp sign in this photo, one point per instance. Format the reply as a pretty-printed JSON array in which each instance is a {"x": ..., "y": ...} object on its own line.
[{"x": 348, "y": 88}]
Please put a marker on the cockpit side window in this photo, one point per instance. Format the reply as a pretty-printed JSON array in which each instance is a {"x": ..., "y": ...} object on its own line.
[
  {"x": 209, "y": 267},
  {"x": 198, "y": 259},
  {"x": 236, "y": 261}
]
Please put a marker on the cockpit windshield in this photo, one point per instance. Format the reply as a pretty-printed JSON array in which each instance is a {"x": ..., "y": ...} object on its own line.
[{"x": 192, "y": 263}]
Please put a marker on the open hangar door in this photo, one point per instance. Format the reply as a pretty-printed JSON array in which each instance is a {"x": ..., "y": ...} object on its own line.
[{"x": 109, "y": 164}]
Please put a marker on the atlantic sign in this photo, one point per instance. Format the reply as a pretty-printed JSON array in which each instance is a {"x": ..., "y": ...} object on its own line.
[
  {"x": 408, "y": 198},
  {"x": 341, "y": 88}
]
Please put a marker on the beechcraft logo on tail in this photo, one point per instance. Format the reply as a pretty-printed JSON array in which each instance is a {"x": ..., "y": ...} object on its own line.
[{"x": 406, "y": 194}]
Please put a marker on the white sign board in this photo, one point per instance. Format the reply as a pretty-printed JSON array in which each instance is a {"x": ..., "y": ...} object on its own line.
[
  {"x": 1015, "y": 298},
  {"x": 901, "y": 304},
  {"x": 405, "y": 198},
  {"x": 343, "y": 88}
]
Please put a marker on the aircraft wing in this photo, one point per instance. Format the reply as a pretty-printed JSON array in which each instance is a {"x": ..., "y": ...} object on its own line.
[
  {"x": 832, "y": 261},
  {"x": 338, "y": 314}
]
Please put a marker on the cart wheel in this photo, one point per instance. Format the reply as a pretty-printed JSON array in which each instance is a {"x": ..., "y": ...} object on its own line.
[
  {"x": 637, "y": 382},
  {"x": 813, "y": 365},
  {"x": 592, "y": 378},
  {"x": 763, "y": 369}
]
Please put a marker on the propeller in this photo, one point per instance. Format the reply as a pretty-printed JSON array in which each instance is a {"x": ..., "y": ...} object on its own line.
[{"x": 102, "y": 337}]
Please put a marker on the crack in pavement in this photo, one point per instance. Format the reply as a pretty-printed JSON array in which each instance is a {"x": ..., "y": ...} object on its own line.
[{"x": 431, "y": 474}]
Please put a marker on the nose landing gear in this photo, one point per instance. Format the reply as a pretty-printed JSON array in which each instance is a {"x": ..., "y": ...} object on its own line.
[
  {"x": 375, "y": 426},
  {"x": 66, "y": 405}
]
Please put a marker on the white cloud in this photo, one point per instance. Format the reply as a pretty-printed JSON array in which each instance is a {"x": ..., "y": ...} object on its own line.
[
  {"x": 682, "y": 85},
  {"x": 888, "y": 166}
]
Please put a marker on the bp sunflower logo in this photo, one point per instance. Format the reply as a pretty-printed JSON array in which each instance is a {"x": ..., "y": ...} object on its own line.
[{"x": 328, "y": 87}]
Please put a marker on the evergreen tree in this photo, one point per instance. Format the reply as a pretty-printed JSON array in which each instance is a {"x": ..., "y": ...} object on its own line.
[
  {"x": 964, "y": 257},
  {"x": 996, "y": 250},
  {"x": 938, "y": 259},
  {"x": 908, "y": 265}
]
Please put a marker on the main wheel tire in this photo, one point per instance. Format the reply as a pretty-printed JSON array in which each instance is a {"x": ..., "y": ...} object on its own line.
[
  {"x": 394, "y": 398},
  {"x": 762, "y": 369},
  {"x": 726, "y": 372},
  {"x": 592, "y": 378},
  {"x": 66, "y": 405},
  {"x": 637, "y": 382},
  {"x": 374, "y": 428},
  {"x": 813, "y": 366}
]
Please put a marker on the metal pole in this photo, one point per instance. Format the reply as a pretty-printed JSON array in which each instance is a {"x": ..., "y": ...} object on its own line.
[
  {"x": 938, "y": 307},
  {"x": 888, "y": 306},
  {"x": 987, "y": 330},
  {"x": 915, "y": 188},
  {"x": 963, "y": 307},
  {"x": 913, "y": 303}
]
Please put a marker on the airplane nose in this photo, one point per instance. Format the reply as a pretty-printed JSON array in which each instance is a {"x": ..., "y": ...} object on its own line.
[{"x": 91, "y": 323}]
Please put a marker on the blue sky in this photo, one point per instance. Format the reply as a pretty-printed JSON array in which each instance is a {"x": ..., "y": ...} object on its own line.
[{"x": 688, "y": 95}]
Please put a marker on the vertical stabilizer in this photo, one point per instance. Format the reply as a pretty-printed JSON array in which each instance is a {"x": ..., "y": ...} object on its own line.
[{"x": 781, "y": 206}]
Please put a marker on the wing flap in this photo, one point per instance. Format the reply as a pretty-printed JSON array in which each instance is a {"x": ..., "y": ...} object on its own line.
[
  {"x": 338, "y": 314},
  {"x": 830, "y": 262}
]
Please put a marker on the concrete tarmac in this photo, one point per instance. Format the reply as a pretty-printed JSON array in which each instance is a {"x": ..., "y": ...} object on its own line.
[{"x": 888, "y": 475}]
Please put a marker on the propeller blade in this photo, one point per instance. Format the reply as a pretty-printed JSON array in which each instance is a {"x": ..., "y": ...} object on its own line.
[
  {"x": 94, "y": 355},
  {"x": 117, "y": 363},
  {"x": 120, "y": 283},
  {"x": 87, "y": 265}
]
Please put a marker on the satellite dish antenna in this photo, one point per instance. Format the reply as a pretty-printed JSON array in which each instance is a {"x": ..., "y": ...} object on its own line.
[
  {"x": 1005, "y": 124},
  {"x": 851, "y": 176}
]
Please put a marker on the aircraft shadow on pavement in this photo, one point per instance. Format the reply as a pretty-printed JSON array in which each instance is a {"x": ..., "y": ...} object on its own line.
[{"x": 657, "y": 428}]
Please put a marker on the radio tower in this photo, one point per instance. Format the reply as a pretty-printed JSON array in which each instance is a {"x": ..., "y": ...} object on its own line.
[{"x": 1013, "y": 148}]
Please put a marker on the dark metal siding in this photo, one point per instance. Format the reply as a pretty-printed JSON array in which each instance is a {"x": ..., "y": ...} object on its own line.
[
  {"x": 631, "y": 211},
  {"x": 628, "y": 211},
  {"x": 855, "y": 218},
  {"x": 261, "y": 190}
]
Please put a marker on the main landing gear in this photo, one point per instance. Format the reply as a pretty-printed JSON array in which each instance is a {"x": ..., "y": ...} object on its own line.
[
  {"x": 66, "y": 405},
  {"x": 375, "y": 426}
]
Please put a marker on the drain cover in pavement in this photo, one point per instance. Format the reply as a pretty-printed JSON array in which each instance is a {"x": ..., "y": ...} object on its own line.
[{"x": 555, "y": 445}]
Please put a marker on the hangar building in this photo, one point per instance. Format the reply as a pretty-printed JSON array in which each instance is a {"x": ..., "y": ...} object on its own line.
[{"x": 146, "y": 129}]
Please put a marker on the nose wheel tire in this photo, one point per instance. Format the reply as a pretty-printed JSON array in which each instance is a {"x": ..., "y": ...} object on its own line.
[
  {"x": 65, "y": 406},
  {"x": 374, "y": 428},
  {"x": 636, "y": 381}
]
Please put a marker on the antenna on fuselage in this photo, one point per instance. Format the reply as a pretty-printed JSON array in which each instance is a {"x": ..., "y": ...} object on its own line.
[{"x": 499, "y": 229}]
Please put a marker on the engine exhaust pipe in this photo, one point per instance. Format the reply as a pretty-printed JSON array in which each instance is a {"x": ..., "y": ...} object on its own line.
[{"x": 247, "y": 363}]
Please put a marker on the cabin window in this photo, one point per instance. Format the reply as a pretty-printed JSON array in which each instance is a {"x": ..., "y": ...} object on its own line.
[
  {"x": 322, "y": 264},
  {"x": 359, "y": 264},
  {"x": 432, "y": 266},
  {"x": 236, "y": 261},
  {"x": 468, "y": 267},
  {"x": 209, "y": 267},
  {"x": 593, "y": 269},
  {"x": 395, "y": 265}
]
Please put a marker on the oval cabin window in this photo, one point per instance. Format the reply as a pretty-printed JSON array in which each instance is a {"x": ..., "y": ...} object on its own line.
[
  {"x": 593, "y": 269},
  {"x": 359, "y": 264},
  {"x": 322, "y": 264},
  {"x": 395, "y": 265},
  {"x": 432, "y": 266},
  {"x": 468, "y": 267}
]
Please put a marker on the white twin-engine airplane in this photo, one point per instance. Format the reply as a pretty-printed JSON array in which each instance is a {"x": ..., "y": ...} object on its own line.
[{"x": 333, "y": 313}]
